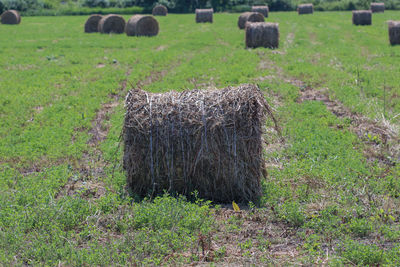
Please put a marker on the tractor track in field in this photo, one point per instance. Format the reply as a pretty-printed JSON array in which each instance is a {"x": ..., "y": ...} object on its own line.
[{"x": 382, "y": 142}]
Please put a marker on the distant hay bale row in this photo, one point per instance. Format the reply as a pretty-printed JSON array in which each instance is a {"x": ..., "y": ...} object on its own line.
[
  {"x": 249, "y": 17},
  {"x": 160, "y": 10},
  {"x": 204, "y": 15},
  {"x": 262, "y": 34},
  {"x": 210, "y": 141},
  {"x": 10, "y": 17},
  {"x": 377, "y": 7},
  {"x": 138, "y": 25},
  {"x": 362, "y": 17},
  {"x": 394, "y": 32},
  {"x": 141, "y": 25},
  {"x": 305, "y": 9},
  {"x": 261, "y": 9}
]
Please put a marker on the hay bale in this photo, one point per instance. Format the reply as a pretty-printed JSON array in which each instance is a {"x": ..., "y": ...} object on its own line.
[
  {"x": 249, "y": 17},
  {"x": 261, "y": 9},
  {"x": 112, "y": 24},
  {"x": 377, "y": 7},
  {"x": 204, "y": 15},
  {"x": 394, "y": 32},
  {"x": 160, "y": 10},
  {"x": 305, "y": 9},
  {"x": 262, "y": 34},
  {"x": 92, "y": 23},
  {"x": 210, "y": 141},
  {"x": 142, "y": 25},
  {"x": 362, "y": 17},
  {"x": 11, "y": 17}
]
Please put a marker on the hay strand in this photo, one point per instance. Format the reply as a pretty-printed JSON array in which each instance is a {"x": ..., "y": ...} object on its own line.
[
  {"x": 305, "y": 9},
  {"x": 394, "y": 32},
  {"x": 160, "y": 10},
  {"x": 362, "y": 17},
  {"x": 377, "y": 7},
  {"x": 262, "y": 34},
  {"x": 261, "y": 9},
  {"x": 92, "y": 23},
  {"x": 204, "y": 15},
  {"x": 249, "y": 17},
  {"x": 210, "y": 141},
  {"x": 142, "y": 25},
  {"x": 112, "y": 24},
  {"x": 11, "y": 17}
]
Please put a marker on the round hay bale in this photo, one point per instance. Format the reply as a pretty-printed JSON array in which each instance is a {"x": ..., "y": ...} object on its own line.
[
  {"x": 305, "y": 9},
  {"x": 92, "y": 23},
  {"x": 261, "y": 9},
  {"x": 142, "y": 25},
  {"x": 377, "y": 7},
  {"x": 394, "y": 32},
  {"x": 204, "y": 15},
  {"x": 160, "y": 10},
  {"x": 362, "y": 17},
  {"x": 210, "y": 141},
  {"x": 11, "y": 17},
  {"x": 249, "y": 17},
  {"x": 262, "y": 34},
  {"x": 112, "y": 24}
]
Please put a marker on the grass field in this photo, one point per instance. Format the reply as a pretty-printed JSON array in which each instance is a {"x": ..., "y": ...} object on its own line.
[{"x": 332, "y": 195}]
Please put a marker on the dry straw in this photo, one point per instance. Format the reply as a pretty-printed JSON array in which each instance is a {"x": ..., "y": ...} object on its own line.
[
  {"x": 112, "y": 24},
  {"x": 209, "y": 141},
  {"x": 261, "y": 9},
  {"x": 262, "y": 34},
  {"x": 394, "y": 32},
  {"x": 92, "y": 23},
  {"x": 10, "y": 17},
  {"x": 362, "y": 17},
  {"x": 249, "y": 17},
  {"x": 142, "y": 25},
  {"x": 204, "y": 15},
  {"x": 377, "y": 7},
  {"x": 160, "y": 10},
  {"x": 305, "y": 9}
]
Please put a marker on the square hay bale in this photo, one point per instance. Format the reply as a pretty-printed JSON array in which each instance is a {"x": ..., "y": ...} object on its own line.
[
  {"x": 362, "y": 17},
  {"x": 210, "y": 141},
  {"x": 262, "y": 34},
  {"x": 394, "y": 32},
  {"x": 377, "y": 7},
  {"x": 305, "y": 9},
  {"x": 261, "y": 9},
  {"x": 204, "y": 15}
]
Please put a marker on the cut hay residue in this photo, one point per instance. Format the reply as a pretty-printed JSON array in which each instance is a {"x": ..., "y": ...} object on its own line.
[
  {"x": 249, "y": 17},
  {"x": 209, "y": 141},
  {"x": 142, "y": 25},
  {"x": 262, "y": 34},
  {"x": 204, "y": 15}
]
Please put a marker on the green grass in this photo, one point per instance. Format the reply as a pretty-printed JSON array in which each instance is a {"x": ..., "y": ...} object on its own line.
[{"x": 63, "y": 198}]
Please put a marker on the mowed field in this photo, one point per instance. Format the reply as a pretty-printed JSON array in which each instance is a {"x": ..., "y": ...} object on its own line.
[{"x": 332, "y": 193}]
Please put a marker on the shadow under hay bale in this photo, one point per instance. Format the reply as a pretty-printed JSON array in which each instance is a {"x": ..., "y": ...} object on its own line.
[
  {"x": 377, "y": 7},
  {"x": 262, "y": 34},
  {"x": 142, "y": 25},
  {"x": 209, "y": 141},
  {"x": 10, "y": 17},
  {"x": 305, "y": 9},
  {"x": 112, "y": 24},
  {"x": 204, "y": 15},
  {"x": 160, "y": 10},
  {"x": 261, "y": 9},
  {"x": 249, "y": 17},
  {"x": 92, "y": 23},
  {"x": 362, "y": 17},
  {"x": 394, "y": 32}
]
